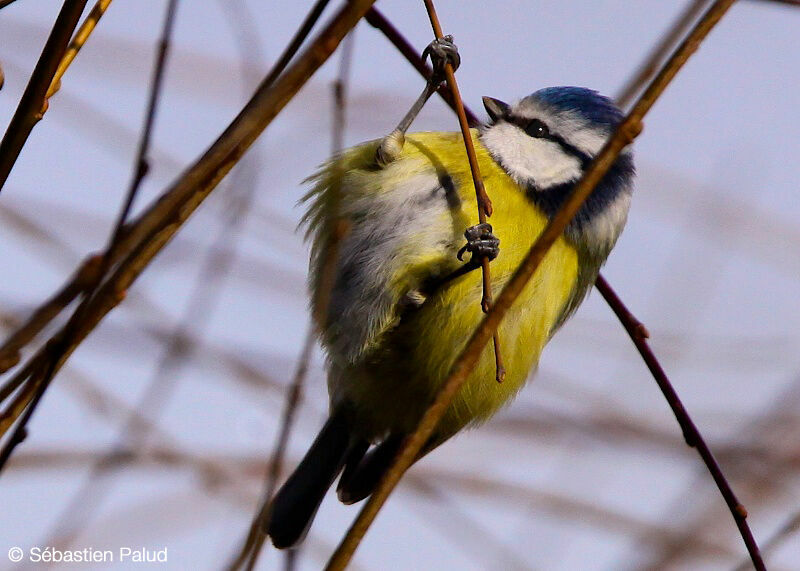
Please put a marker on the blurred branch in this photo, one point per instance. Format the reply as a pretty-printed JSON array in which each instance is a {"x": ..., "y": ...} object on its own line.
[
  {"x": 638, "y": 334},
  {"x": 251, "y": 548},
  {"x": 147, "y": 235},
  {"x": 659, "y": 52},
  {"x": 626, "y": 132},
  {"x": 86, "y": 275},
  {"x": 777, "y": 423},
  {"x": 482, "y": 199},
  {"x": 33, "y": 103},
  {"x": 61, "y": 346},
  {"x": 256, "y": 536},
  {"x": 795, "y": 3},
  {"x": 83, "y": 33}
]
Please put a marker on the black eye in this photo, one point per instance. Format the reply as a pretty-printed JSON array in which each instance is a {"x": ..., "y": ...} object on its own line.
[{"x": 537, "y": 129}]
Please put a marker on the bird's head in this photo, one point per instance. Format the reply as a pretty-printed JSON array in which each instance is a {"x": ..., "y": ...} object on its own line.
[{"x": 546, "y": 141}]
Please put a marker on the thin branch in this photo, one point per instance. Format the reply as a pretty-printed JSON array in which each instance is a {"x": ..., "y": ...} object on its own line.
[
  {"x": 791, "y": 527},
  {"x": 33, "y": 103},
  {"x": 86, "y": 275},
  {"x": 659, "y": 52},
  {"x": 377, "y": 20},
  {"x": 153, "y": 229},
  {"x": 251, "y": 549},
  {"x": 58, "y": 350},
  {"x": 484, "y": 203},
  {"x": 4, "y": 3},
  {"x": 626, "y": 132},
  {"x": 83, "y": 33},
  {"x": 638, "y": 334}
]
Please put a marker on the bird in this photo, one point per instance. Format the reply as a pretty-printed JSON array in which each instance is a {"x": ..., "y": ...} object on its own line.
[{"x": 401, "y": 305}]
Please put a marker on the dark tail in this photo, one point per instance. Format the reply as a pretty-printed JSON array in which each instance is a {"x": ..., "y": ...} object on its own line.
[
  {"x": 360, "y": 479},
  {"x": 296, "y": 503}
]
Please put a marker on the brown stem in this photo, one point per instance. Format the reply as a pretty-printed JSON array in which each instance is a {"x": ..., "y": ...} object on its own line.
[
  {"x": 484, "y": 202},
  {"x": 377, "y": 20},
  {"x": 638, "y": 334},
  {"x": 58, "y": 348},
  {"x": 33, "y": 103},
  {"x": 83, "y": 33},
  {"x": 86, "y": 275},
  {"x": 629, "y": 128},
  {"x": 253, "y": 544},
  {"x": 659, "y": 52},
  {"x": 147, "y": 235}
]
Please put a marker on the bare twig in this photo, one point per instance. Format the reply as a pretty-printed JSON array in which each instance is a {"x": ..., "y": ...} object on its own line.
[
  {"x": 660, "y": 51},
  {"x": 153, "y": 229},
  {"x": 644, "y": 72},
  {"x": 376, "y": 19},
  {"x": 638, "y": 334},
  {"x": 484, "y": 203},
  {"x": 251, "y": 549},
  {"x": 58, "y": 350},
  {"x": 83, "y": 33},
  {"x": 784, "y": 532},
  {"x": 33, "y": 102},
  {"x": 628, "y": 129},
  {"x": 4, "y": 3},
  {"x": 86, "y": 275}
]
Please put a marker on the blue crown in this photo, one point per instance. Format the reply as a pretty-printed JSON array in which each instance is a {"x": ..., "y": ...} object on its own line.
[{"x": 587, "y": 103}]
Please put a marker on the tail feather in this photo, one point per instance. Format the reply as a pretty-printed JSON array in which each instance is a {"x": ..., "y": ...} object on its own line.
[
  {"x": 296, "y": 503},
  {"x": 359, "y": 482}
]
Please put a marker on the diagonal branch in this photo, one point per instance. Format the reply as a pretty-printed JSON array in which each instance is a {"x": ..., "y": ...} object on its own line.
[
  {"x": 146, "y": 236},
  {"x": 633, "y": 326},
  {"x": 39, "y": 382},
  {"x": 638, "y": 334},
  {"x": 626, "y": 132},
  {"x": 32, "y": 105},
  {"x": 83, "y": 33},
  {"x": 659, "y": 52}
]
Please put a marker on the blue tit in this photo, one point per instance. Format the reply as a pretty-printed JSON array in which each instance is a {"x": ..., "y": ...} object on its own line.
[{"x": 402, "y": 306}]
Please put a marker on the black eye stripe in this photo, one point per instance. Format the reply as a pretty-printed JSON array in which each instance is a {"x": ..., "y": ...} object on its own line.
[{"x": 571, "y": 150}]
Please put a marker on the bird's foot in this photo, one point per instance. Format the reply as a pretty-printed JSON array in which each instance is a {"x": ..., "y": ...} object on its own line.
[
  {"x": 480, "y": 242},
  {"x": 442, "y": 51}
]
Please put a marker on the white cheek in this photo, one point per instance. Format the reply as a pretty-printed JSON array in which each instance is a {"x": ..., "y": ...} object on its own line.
[{"x": 528, "y": 159}]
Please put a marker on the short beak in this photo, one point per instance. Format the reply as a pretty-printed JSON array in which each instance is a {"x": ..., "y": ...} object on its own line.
[{"x": 495, "y": 108}]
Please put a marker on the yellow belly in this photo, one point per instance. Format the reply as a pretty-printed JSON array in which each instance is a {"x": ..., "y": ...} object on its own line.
[{"x": 391, "y": 388}]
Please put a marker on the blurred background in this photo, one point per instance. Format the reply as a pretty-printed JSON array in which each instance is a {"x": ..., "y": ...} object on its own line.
[{"x": 157, "y": 432}]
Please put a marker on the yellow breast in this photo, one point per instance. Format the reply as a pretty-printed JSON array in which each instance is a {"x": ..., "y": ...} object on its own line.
[{"x": 410, "y": 363}]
